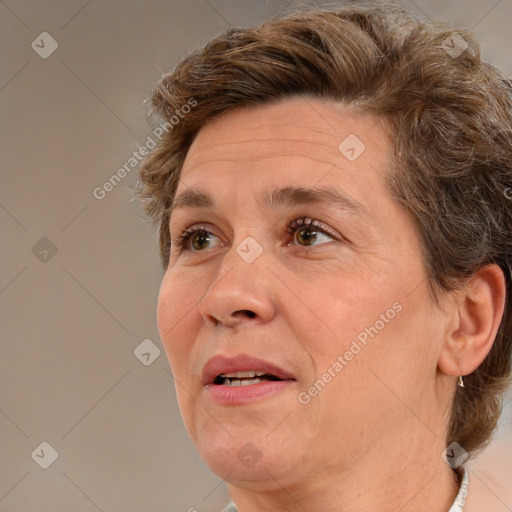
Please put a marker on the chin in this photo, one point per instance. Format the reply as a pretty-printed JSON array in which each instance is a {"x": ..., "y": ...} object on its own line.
[{"x": 244, "y": 455}]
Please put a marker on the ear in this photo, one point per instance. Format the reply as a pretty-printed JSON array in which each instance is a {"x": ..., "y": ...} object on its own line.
[{"x": 473, "y": 321}]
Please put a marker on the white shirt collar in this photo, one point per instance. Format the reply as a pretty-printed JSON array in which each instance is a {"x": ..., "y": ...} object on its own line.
[{"x": 460, "y": 499}]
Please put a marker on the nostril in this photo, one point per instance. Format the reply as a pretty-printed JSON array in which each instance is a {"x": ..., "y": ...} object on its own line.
[{"x": 248, "y": 312}]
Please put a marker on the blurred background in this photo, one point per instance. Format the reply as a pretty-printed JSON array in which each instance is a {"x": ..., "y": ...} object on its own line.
[{"x": 88, "y": 415}]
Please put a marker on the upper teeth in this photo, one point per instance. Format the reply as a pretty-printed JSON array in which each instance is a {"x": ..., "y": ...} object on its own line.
[{"x": 240, "y": 375}]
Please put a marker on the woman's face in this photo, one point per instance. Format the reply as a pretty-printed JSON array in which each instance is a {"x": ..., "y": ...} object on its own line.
[{"x": 338, "y": 310}]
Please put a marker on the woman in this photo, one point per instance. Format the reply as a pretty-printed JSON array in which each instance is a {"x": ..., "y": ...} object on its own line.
[{"x": 333, "y": 200}]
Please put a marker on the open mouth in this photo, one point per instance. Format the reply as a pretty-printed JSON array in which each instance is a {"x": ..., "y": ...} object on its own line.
[
  {"x": 241, "y": 370},
  {"x": 244, "y": 378}
]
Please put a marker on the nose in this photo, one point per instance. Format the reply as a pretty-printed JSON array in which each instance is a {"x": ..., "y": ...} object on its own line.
[{"x": 240, "y": 293}]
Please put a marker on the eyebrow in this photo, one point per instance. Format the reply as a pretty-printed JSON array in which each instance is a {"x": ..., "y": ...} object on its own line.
[{"x": 286, "y": 196}]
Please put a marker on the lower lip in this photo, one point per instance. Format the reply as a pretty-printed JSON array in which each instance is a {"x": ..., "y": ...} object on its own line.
[{"x": 234, "y": 395}]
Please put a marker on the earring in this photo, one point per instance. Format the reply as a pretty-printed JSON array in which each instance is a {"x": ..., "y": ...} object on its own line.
[{"x": 461, "y": 381}]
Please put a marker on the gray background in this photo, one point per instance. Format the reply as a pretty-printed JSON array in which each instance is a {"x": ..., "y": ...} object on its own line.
[{"x": 72, "y": 320}]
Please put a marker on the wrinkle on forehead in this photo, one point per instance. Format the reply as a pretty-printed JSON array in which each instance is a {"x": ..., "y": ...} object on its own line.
[{"x": 292, "y": 127}]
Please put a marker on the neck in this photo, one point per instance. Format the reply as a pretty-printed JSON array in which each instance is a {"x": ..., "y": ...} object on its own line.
[{"x": 407, "y": 477}]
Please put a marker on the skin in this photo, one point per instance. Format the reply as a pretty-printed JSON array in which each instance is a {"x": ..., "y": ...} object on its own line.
[{"x": 372, "y": 438}]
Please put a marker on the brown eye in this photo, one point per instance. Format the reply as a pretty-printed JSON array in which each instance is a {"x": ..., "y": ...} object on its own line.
[
  {"x": 195, "y": 239},
  {"x": 306, "y": 235},
  {"x": 199, "y": 240},
  {"x": 307, "y": 232}
]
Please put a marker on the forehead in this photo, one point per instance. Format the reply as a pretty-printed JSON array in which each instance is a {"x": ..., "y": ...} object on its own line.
[{"x": 299, "y": 127}]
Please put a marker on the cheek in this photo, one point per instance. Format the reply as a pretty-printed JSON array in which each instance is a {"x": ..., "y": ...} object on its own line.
[
  {"x": 372, "y": 325},
  {"x": 176, "y": 310},
  {"x": 177, "y": 314},
  {"x": 344, "y": 307}
]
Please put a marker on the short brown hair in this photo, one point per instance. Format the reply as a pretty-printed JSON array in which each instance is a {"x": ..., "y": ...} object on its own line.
[{"x": 451, "y": 120}]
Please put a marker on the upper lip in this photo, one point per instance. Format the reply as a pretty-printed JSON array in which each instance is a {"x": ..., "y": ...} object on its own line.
[{"x": 243, "y": 362}]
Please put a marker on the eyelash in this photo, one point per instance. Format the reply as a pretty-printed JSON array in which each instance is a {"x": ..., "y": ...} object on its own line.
[
  {"x": 187, "y": 233},
  {"x": 291, "y": 228}
]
